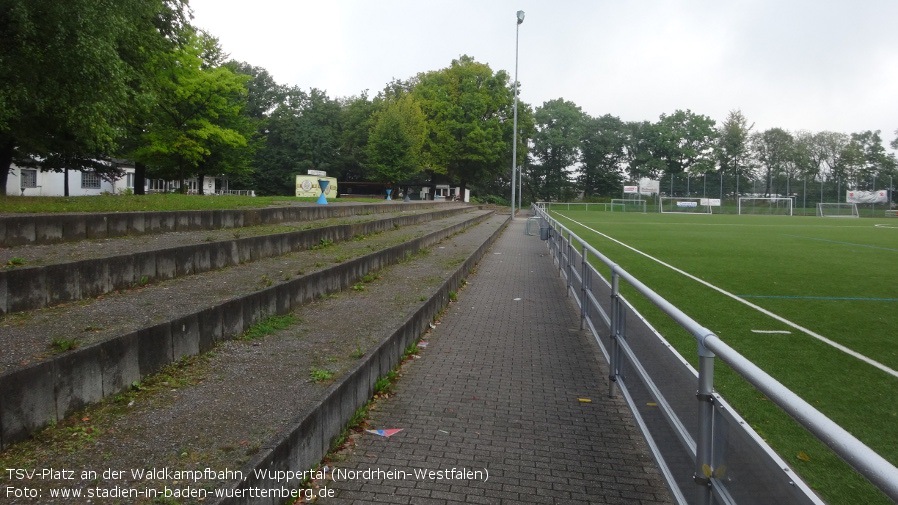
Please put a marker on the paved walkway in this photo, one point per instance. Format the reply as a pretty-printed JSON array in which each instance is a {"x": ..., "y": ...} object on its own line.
[{"x": 494, "y": 404}]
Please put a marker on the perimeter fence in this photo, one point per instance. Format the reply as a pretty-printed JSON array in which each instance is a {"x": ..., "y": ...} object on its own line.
[
  {"x": 705, "y": 450},
  {"x": 805, "y": 192}
]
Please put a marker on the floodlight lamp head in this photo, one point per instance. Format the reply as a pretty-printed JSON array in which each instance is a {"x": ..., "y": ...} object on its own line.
[{"x": 520, "y": 17}]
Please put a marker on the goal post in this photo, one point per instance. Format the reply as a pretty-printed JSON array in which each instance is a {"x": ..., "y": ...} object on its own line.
[
  {"x": 628, "y": 205},
  {"x": 684, "y": 205},
  {"x": 837, "y": 210},
  {"x": 775, "y": 206}
]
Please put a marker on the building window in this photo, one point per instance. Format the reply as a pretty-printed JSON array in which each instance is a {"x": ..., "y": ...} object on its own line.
[
  {"x": 29, "y": 178},
  {"x": 129, "y": 180},
  {"x": 90, "y": 180}
]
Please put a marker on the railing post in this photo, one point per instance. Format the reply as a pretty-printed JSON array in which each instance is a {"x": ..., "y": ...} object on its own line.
[
  {"x": 704, "y": 470},
  {"x": 584, "y": 287},
  {"x": 570, "y": 263},
  {"x": 553, "y": 245},
  {"x": 561, "y": 246},
  {"x": 616, "y": 313}
]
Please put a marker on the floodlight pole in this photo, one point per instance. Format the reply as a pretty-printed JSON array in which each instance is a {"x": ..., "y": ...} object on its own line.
[{"x": 514, "y": 138}]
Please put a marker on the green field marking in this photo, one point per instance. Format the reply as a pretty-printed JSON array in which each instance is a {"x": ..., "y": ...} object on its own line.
[{"x": 758, "y": 308}]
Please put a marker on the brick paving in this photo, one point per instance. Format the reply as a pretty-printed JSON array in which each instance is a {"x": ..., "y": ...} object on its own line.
[{"x": 494, "y": 402}]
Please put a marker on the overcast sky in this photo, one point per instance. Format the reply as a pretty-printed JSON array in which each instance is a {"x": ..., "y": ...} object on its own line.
[{"x": 795, "y": 64}]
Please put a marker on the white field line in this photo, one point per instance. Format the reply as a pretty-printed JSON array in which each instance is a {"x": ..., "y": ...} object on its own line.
[{"x": 762, "y": 310}]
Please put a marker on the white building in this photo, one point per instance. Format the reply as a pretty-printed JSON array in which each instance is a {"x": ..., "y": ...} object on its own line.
[{"x": 33, "y": 182}]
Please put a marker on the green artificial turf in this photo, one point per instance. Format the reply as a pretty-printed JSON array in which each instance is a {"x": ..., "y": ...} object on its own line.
[{"x": 834, "y": 277}]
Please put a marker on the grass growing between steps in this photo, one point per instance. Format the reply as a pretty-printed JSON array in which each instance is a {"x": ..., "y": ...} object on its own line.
[
  {"x": 82, "y": 428},
  {"x": 342, "y": 445}
]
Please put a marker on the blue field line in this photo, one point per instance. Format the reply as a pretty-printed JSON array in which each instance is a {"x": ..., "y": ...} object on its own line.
[
  {"x": 842, "y": 243},
  {"x": 825, "y": 298}
]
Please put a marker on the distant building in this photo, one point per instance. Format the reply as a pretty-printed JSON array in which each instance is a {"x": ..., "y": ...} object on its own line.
[{"x": 34, "y": 182}]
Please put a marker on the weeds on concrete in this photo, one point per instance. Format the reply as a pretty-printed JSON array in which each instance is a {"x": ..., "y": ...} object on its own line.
[
  {"x": 63, "y": 344},
  {"x": 269, "y": 326},
  {"x": 321, "y": 374}
]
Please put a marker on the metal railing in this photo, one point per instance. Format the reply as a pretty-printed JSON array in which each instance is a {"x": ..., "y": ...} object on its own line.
[
  {"x": 237, "y": 192},
  {"x": 705, "y": 450}
]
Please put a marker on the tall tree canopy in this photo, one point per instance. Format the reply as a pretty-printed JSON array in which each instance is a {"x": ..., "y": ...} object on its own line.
[
  {"x": 469, "y": 129},
  {"x": 773, "y": 149},
  {"x": 556, "y": 147},
  {"x": 74, "y": 74},
  {"x": 396, "y": 140},
  {"x": 304, "y": 132},
  {"x": 733, "y": 153},
  {"x": 199, "y": 126},
  {"x": 602, "y": 155},
  {"x": 687, "y": 142}
]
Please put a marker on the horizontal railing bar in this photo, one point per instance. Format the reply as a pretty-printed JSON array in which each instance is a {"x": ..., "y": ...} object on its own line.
[
  {"x": 672, "y": 419},
  {"x": 867, "y": 462},
  {"x": 656, "y": 451},
  {"x": 595, "y": 303}
]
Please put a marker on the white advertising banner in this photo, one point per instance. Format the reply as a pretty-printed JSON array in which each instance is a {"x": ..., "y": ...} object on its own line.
[
  {"x": 878, "y": 196},
  {"x": 631, "y": 190},
  {"x": 649, "y": 187},
  {"x": 713, "y": 202}
]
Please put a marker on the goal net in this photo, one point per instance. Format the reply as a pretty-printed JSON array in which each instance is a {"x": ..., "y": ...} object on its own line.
[
  {"x": 774, "y": 206},
  {"x": 837, "y": 210},
  {"x": 627, "y": 205},
  {"x": 683, "y": 205}
]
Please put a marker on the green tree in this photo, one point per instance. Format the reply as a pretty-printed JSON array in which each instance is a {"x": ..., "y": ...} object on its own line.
[
  {"x": 396, "y": 141},
  {"x": 556, "y": 148},
  {"x": 304, "y": 132},
  {"x": 686, "y": 142},
  {"x": 355, "y": 125},
  {"x": 263, "y": 94},
  {"x": 198, "y": 114},
  {"x": 642, "y": 156},
  {"x": 74, "y": 74},
  {"x": 468, "y": 110},
  {"x": 827, "y": 153},
  {"x": 732, "y": 149},
  {"x": 869, "y": 155},
  {"x": 773, "y": 149},
  {"x": 602, "y": 154},
  {"x": 263, "y": 97}
]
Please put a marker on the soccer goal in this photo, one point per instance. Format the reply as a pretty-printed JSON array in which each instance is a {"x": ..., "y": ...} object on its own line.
[
  {"x": 837, "y": 210},
  {"x": 627, "y": 205},
  {"x": 683, "y": 205},
  {"x": 773, "y": 206}
]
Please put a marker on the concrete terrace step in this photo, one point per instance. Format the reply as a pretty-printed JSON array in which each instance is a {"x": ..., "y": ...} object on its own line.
[
  {"x": 18, "y": 229},
  {"x": 251, "y": 405},
  {"x": 94, "y": 268},
  {"x": 124, "y": 337}
]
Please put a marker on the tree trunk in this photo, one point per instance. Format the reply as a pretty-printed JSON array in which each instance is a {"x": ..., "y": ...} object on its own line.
[
  {"x": 140, "y": 178},
  {"x": 7, "y": 146},
  {"x": 65, "y": 182},
  {"x": 183, "y": 189}
]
